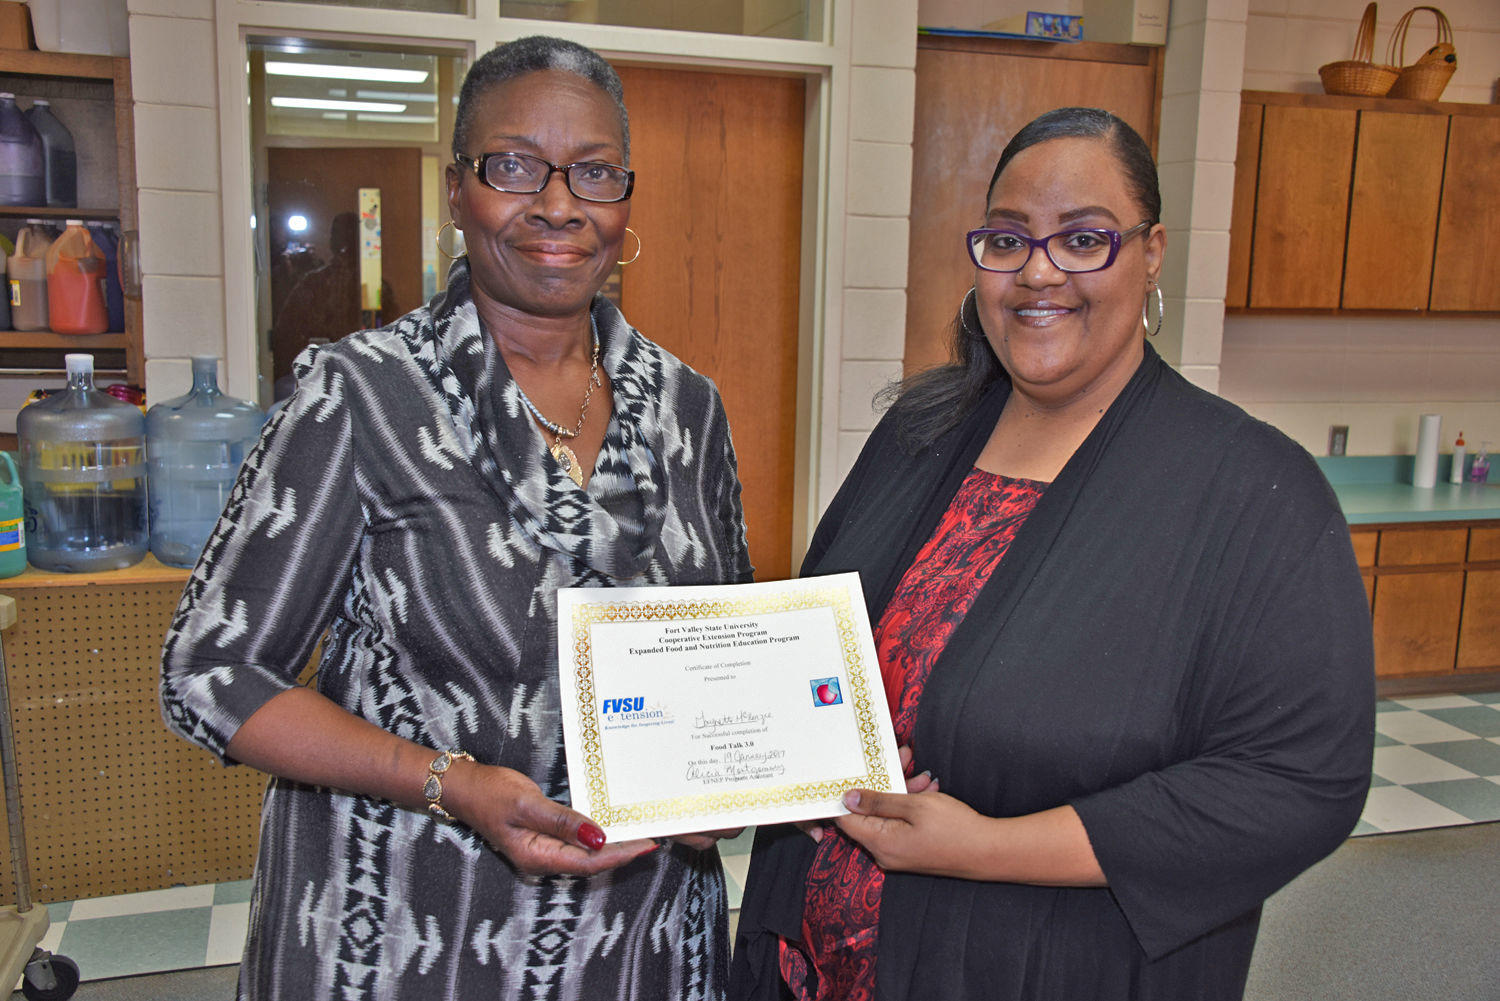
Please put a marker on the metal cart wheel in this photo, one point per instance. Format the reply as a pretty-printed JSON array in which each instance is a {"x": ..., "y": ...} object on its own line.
[{"x": 49, "y": 977}]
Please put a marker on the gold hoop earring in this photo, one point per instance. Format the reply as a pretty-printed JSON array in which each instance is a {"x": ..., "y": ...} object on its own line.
[
  {"x": 1161, "y": 311},
  {"x": 637, "y": 247},
  {"x": 439, "y": 241}
]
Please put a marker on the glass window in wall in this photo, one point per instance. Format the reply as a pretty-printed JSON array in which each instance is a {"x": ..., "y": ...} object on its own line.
[
  {"x": 797, "y": 19},
  {"x": 425, "y": 6},
  {"x": 349, "y": 144}
]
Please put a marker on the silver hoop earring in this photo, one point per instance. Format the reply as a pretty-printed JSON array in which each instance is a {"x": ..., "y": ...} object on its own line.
[
  {"x": 1161, "y": 311},
  {"x": 458, "y": 241},
  {"x": 964, "y": 320}
]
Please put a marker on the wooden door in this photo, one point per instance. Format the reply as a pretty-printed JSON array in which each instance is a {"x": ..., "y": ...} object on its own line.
[
  {"x": 1466, "y": 269},
  {"x": 1416, "y": 615},
  {"x": 972, "y": 95},
  {"x": 1393, "y": 209},
  {"x": 718, "y": 206},
  {"x": 315, "y": 292},
  {"x": 1365, "y": 542},
  {"x": 1242, "y": 220},
  {"x": 1479, "y": 629},
  {"x": 1416, "y": 622},
  {"x": 1301, "y": 208}
]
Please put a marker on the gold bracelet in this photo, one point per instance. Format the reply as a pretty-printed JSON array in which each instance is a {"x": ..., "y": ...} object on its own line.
[{"x": 433, "y": 787}]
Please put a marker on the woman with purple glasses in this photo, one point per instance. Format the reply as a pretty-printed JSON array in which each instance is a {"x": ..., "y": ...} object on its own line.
[{"x": 1123, "y": 635}]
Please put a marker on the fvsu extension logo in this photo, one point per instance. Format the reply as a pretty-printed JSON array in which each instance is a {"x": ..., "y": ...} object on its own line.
[{"x": 631, "y": 711}]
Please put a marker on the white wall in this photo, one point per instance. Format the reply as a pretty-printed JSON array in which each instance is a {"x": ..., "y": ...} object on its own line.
[
  {"x": 876, "y": 233},
  {"x": 1302, "y": 373},
  {"x": 192, "y": 244},
  {"x": 174, "y": 78},
  {"x": 1377, "y": 375}
]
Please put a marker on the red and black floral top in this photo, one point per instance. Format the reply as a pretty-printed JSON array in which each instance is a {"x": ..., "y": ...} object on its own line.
[{"x": 840, "y": 921}]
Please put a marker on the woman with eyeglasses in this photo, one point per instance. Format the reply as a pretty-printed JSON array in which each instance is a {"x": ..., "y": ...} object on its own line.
[
  {"x": 1122, "y": 631},
  {"x": 421, "y": 497}
]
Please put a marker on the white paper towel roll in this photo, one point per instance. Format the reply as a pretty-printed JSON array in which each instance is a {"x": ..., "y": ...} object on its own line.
[{"x": 1429, "y": 432}]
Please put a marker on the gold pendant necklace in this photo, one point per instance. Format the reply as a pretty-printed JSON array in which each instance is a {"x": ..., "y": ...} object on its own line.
[
  {"x": 567, "y": 459},
  {"x": 565, "y": 456}
]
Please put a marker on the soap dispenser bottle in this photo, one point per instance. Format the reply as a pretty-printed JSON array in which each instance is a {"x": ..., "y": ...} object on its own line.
[{"x": 1479, "y": 470}]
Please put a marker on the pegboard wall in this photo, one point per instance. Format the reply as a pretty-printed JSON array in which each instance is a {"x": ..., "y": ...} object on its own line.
[{"x": 112, "y": 801}]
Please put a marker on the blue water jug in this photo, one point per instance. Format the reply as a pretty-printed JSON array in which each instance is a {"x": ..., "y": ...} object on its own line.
[
  {"x": 5, "y": 294},
  {"x": 106, "y": 237},
  {"x": 83, "y": 477},
  {"x": 195, "y": 444},
  {"x": 12, "y": 519},
  {"x": 23, "y": 172}
]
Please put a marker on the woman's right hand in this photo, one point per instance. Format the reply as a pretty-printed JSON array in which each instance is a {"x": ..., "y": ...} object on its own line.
[
  {"x": 537, "y": 835},
  {"x": 303, "y": 736}
]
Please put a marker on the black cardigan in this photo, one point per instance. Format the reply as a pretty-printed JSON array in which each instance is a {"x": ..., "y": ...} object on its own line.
[{"x": 1177, "y": 643}]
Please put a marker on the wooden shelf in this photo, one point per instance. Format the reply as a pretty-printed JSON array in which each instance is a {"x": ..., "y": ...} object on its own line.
[
  {"x": 1345, "y": 103},
  {"x": 48, "y": 340},
  {"x": 21, "y": 68},
  {"x": 46, "y": 212},
  {"x": 30, "y": 62},
  {"x": 149, "y": 570}
]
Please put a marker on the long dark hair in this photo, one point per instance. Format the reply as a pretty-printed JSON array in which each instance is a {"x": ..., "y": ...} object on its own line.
[{"x": 928, "y": 404}]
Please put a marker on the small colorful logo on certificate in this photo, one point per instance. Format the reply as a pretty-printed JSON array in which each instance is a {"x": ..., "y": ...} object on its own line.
[{"x": 825, "y": 692}]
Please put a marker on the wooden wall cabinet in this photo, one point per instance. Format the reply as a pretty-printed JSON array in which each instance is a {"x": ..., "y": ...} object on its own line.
[
  {"x": 1466, "y": 274},
  {"x": 1301, "y": 203},
  {"x": 1393, "y": 210},
  {"x": 1435, "y": 596},
  {"x": 28, "y": 73},
  {"x": 1365, "y": 204}
]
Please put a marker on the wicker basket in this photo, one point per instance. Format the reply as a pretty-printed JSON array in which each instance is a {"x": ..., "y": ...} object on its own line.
[
  {"x": 1360, "y": 76},
  {"x": 1424, "y": 79}
]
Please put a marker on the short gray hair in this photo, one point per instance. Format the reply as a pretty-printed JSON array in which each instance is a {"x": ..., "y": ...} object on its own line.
[{"x": 530, "y": 55}]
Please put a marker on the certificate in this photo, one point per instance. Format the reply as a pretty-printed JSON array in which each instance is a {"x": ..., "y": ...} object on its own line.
[{"x": 700, "y": 708}]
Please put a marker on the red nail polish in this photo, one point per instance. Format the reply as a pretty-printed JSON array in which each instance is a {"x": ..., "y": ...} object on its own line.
[{"x": 591, "y": 835}]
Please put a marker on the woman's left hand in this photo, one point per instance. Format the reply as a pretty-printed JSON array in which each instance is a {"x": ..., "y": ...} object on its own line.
[
  {"x": 936, "y": 835},
  {"x": 926, "y": 832},
  {"x": 704, "y": 840}
]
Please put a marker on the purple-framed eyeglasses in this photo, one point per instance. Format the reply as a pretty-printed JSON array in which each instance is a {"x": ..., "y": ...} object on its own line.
[{"x": 1073, "y": 250}]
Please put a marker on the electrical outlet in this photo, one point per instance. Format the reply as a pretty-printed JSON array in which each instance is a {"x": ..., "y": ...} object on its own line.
[{"x": 1338, "y": 439}]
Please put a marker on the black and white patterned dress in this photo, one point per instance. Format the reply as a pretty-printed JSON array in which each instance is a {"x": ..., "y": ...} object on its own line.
[{"x": 404, "y": 499}]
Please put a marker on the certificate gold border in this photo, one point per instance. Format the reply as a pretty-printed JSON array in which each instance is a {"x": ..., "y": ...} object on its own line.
[{"x": 586, "y": 614}]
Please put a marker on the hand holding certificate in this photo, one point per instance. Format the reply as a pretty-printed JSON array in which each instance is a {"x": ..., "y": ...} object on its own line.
[{"x": 698, "y": 708}]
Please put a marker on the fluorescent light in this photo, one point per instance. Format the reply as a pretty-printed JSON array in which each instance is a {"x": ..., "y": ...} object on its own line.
[
  {"x": 318, "y": 104},
  {"x": 410, "y": 119},
  {"x": 328, "y": 71},
  {"x": 394, "y": 95}
]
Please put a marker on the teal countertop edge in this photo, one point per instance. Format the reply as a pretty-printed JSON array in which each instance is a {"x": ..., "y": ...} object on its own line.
[{"x": 1377, "y": 489}]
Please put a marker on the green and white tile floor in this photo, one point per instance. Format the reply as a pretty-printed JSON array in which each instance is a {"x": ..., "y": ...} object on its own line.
[{"x": 1437, "y": 764}]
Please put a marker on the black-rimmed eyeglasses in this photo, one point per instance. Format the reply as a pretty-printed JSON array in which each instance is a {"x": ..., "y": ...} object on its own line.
[
  {"x": 1073, "y": 250},
  {"x": 523, "y": 174}
]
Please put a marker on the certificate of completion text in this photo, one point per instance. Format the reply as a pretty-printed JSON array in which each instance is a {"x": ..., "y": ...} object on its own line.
[{"x": 700, "y": 708}]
